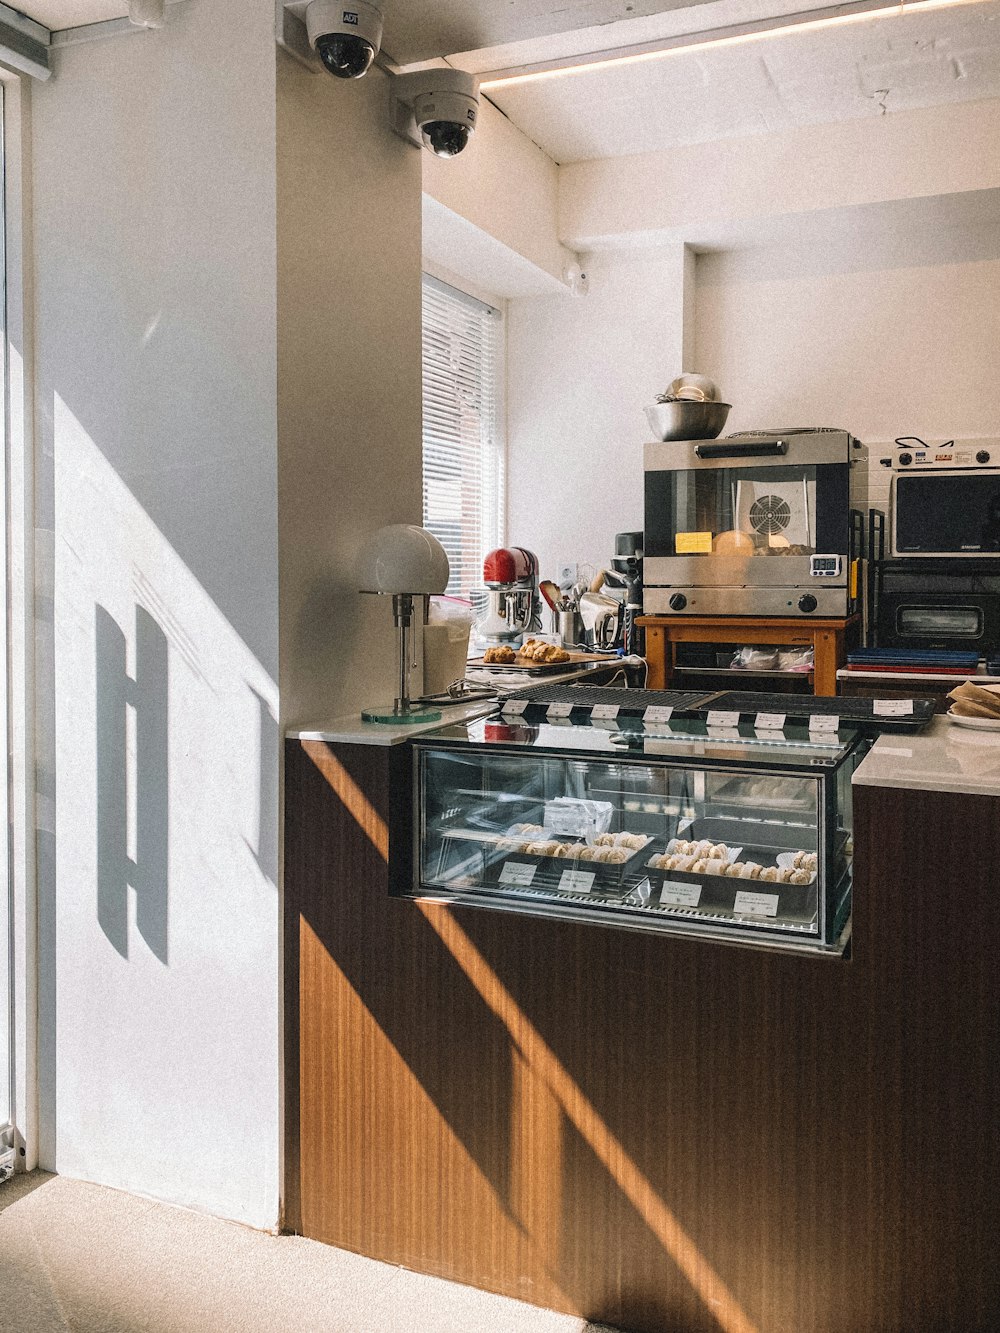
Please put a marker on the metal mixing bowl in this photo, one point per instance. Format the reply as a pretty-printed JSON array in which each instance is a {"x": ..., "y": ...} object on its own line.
[{"x": 687, "y": 421}]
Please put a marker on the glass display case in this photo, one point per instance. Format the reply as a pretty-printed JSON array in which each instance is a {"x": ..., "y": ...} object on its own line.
[{"x": 677, "y": 826}]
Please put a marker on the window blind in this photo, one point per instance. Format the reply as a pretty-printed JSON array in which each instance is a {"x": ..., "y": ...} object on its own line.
[{"x": 463, "y": 451}]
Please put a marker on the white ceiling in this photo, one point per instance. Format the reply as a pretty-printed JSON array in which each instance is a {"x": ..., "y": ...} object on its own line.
[{"x": 868, "y": 67}]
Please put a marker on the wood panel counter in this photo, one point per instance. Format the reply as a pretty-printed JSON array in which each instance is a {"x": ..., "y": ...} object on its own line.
[{"x": 656, "y": 1132}]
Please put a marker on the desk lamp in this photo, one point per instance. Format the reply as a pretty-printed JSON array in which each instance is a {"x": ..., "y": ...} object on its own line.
[{"x": 402, "y": 561}]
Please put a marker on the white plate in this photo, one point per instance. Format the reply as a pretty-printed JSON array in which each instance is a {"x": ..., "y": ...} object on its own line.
[{"x": 977, "y": 723}]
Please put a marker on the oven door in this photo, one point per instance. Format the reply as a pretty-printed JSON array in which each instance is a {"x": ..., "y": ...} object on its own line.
[
  {"x": 948, "y": 513},
  {"x": 739, "y": 514},
  {"x": 945, "y": 620}
]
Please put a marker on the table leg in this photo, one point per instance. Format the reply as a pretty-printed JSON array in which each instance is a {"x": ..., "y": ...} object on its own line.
[{"x": 826, "y": 660}]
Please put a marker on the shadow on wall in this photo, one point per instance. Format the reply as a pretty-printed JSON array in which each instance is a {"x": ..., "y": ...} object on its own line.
[
  {"x": 266, "y": 851},
  {"x": 146, "y": 867}
]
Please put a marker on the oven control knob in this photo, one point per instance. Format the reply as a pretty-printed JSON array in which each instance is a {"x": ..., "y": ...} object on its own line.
[
  {"x": 904, "y": 459},
  {"x": 678, "y": 601},
  {"x": 807, "y": 602},
  {"x": 982, "y": 456}
]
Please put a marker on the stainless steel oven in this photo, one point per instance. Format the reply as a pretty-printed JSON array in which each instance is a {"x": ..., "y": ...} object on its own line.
[
  {"x": 944, "y": 500},
  {"x": 754, "y": 524}
]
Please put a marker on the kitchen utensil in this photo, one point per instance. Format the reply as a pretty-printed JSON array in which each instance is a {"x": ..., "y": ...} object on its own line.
[
  {"x": 570, "y": 628},
  {"x": 550, "y": 591},
  {"x": 687, "y": 420},
  {"x": 692, "y": 388},
  {"x": 601, "y": 616}
]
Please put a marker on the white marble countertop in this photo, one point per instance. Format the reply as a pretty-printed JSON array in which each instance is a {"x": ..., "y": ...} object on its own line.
[
  {"x": 944, "y": 757},
  {"x": 351, "y": 730}
]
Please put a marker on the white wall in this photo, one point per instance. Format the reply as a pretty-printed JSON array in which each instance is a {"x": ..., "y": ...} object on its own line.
[
  {"x": 907, "y": 349},
  {"x": 350, "y": 449},
  {"x": 154, "y": 237},
  {"x": 580, "y": 372},
  {"x": 719, "y": 193},
  {"x": 492, "y": 214}
]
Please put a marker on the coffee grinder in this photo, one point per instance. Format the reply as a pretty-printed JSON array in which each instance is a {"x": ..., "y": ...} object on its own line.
[{"x": 628, "y": 563}]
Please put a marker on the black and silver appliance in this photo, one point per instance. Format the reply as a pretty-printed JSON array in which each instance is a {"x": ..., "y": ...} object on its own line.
[
  {"x": 754, "y": 524},
  {"x": 944, "y": 604},
  {"x": 944, "y": 500}
]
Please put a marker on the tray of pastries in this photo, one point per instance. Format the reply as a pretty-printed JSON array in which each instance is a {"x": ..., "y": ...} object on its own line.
[
  {"x": 779, "y": 884},
  {"x": 612, "y": 858},
  {"x": 534, "y": 656}
]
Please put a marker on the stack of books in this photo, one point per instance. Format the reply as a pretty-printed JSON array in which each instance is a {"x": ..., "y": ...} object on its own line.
[{"x": 913, "y": 661}]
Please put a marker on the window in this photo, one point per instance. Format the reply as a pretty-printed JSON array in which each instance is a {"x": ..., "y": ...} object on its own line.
[{"x": 463, "y": 448}]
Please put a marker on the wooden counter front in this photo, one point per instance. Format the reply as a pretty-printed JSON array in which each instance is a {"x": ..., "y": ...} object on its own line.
[{"x": 656, "y": 1132}]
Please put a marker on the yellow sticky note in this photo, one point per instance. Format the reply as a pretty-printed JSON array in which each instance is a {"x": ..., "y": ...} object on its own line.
[{"x": 693, "y": 543}]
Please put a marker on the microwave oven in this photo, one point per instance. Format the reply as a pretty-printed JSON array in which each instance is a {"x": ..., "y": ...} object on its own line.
[{"x": 944, "y": 502}]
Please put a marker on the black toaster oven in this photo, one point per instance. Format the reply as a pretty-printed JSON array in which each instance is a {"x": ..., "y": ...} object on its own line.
[{"x": 924, "y": 605}]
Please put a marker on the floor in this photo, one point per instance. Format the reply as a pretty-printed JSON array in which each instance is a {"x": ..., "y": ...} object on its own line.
[{"x": 78, "y": 1258}]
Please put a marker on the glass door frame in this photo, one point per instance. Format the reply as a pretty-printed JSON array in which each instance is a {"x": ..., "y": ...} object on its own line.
[{"x": 18, "y": 890}]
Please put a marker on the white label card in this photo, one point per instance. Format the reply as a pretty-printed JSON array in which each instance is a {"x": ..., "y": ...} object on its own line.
[
  {"x": 756, "y": 904},
  {"x": 658, "y": 713},
  {"x": 605, "y": 712},
  {"x": 674, "y": 894},
  {"x": 514, "y": 706},
  {"x": 576, "y": 881},
  {"x": 719, "y": 719},
  {"x": 517, "y": 872},
  {"x": 893, "y": 707},
  {"x": 559, "y": 710},
  {"x": 770, "y": 722},
  {"x": 824, "y": 722}
]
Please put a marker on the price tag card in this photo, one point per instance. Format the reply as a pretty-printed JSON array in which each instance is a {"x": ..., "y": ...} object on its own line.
[
  {"x": 604, "y": 712},
  {"x": 719, "y": 719},
  {"x": 756, "y": 904},
  {"x": 576, "y": 881},
  {"x": 514, "y": 706},
  {"x": 893, "y": 707},
  {"x": 517, "y": 872},
  {"x": 674, "y": 894},
  {"x": 658, "y": 713},
  {"x": 559, "y": 710},
  {"x": 824, "y": 722},
  {"x": 770, "y": 721}
]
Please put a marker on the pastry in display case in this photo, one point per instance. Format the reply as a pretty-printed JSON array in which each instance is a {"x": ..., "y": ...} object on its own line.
[{"x": 676, "y": 826}]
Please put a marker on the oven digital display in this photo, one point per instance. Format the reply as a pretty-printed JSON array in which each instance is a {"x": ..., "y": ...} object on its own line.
[{"x": 947, "y": 513}]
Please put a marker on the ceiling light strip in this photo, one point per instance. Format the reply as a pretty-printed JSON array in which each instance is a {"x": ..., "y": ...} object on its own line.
[{"x": 731, "y": 35}]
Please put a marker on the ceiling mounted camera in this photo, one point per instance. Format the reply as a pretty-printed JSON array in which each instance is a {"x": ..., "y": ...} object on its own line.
[
  {"x": 437, "y": 108},
  {"x": 346, "y": 37}
]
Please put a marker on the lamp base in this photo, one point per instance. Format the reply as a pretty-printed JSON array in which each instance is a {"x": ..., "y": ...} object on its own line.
[{"x": 387, "y": 713}]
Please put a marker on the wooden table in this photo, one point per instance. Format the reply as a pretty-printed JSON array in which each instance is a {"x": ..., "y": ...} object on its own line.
[{"x": 828, "y": 638}]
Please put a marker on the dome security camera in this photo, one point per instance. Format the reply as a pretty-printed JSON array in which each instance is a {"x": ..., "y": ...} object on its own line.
[
  {"x": 345, "y": 35},
  {"x": 440, "y": 108}
]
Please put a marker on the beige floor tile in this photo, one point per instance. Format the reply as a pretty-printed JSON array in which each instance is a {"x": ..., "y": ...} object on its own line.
[{"x": 77, "y": 1258}]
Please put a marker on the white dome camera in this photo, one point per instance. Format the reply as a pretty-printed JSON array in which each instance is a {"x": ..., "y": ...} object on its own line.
[
  {"x": 345, "y": 35},
  {"x": 442, "y": 106}
]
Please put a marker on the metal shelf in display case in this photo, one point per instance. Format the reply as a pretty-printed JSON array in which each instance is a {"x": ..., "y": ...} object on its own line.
[{"x": 730, "y": 832}]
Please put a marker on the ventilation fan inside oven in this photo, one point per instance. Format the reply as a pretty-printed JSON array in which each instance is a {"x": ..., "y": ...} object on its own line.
[{"x": 770, "y": 515}]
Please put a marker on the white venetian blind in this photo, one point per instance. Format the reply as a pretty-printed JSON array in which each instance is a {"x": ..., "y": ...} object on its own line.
[{"x": 463, "y": 452}]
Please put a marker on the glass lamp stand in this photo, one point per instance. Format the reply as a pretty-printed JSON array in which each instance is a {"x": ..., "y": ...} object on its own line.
[{"x": 402, "y": 711}]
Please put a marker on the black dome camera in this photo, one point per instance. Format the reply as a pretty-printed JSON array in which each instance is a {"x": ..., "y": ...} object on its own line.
[{"x": 345, "y": 36}]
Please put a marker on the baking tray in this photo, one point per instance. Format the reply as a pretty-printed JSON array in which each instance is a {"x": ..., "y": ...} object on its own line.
[
  {"x": 529, "y": 668},
  {"x": 610, "y": 880},
  {"x": 717, "y": 893}
]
